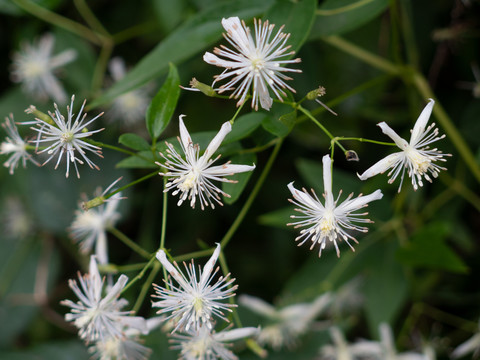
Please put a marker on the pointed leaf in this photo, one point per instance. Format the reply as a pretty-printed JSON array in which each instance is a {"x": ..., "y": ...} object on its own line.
[
  {"x": 133, "y": 141},
  {"x": 163, "y": 104}
]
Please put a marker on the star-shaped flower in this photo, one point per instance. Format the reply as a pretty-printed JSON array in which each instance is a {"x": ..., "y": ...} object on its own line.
[
  {"x": 416, "y": 156},
  {"x": 287, "y": 324},
  {"x": 15, "y": 146},
  {"x": 253, "y": 63},
  {"x": 206, "y": 344},
  {"x": 329, "y": 221},
  {"x": 34, "y": 67},
  {"x": 66, "y": 137},
  {"x": 99, "y": 316},
  {"x": 89, "y": 227},
  {"x": 194, "y": 302},
  {"x": 193, "y": 176}
]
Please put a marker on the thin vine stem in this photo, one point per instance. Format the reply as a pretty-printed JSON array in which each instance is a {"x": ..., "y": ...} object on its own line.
[
  {"x": 129, "y": 242},
  {"x": 243, "y": 212},
  {"x": 341, "y": 138}
]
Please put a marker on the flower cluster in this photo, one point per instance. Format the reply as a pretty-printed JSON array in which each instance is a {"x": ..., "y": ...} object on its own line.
[{"x": 193, "y": 304}]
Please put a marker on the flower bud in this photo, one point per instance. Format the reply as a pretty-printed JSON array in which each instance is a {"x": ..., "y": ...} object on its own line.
[
  {"x": 204, "y": 88},
  {"x": 312, "y": 95},
  {"x": 38, "y": 114},
  {"x": 351, "y": 155}
]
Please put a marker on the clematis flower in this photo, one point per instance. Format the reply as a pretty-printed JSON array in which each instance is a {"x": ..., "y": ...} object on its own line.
[
  {"x": 34, "y": 67},
  {"x": 193, "y": 176},
  {"x": 329, "y": 221},
  {"x": 210, "y": 345},
  {"x": 194, "y": 302},
  {"x": 416, "y": 156},
  {"x": 287, "y": 324},
  {"x": 66, "y": 136},
  {"x": 99, "y": 316},
  {"x": 253, "y": 63},
  {"x": 89, "y": 228},
  {"x": 15, "y": 146}
]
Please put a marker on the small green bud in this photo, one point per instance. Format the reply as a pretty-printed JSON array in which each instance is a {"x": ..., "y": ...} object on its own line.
[
  {"x": 204, "y": 88},
  {"x": 312, "y": 95},
  {"x": 38, "y": 114},
  {"x": 99, "y": 200}
]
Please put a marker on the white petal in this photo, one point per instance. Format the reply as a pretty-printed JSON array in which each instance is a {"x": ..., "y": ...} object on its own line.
[
  {"x": 184, "y": 134},
  {"x": 358, "y": 202},
  {"x": 95, "y": 277},
  {"x": 213, "y": 59},
  {"x": 387, "y": 130},
  {"x": 216, "y": 141},
  {"x": 467, "y": 347},
  {"x": 208, "y": 268},
  {"x": 236, "y": 334},
  {"x": 228, "y": 169},
  {"x": 305, "y": 198},
  {"x": 381, "y": 166},
  {"x": 421, "y": 122},
  {"x": 235, "y": 30},
  {"x": 115, "y": 291},
  {"x": 135, "y": 322},
  {"x": 327, "y": 182},
  {"x": 265, "y": 99},
  {"x": 257, "y": 305}
]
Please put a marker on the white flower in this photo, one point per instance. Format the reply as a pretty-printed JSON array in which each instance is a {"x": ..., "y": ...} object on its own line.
[
  {"x": 388, "y": 347},
  {"x": 415, "y": 156},
  {"x": 89, "y": 227},
  {"x": 66, "y": 137},
  {"x": 99, "y": 317},
  {"x": 128, "y": 347},
  {"x": 205, "y": 344},
  {"x": 194, "y": 302},
  {"x": 341, "y": 350},
  {"x": 131, "y": 106},
  {"x": 287, "y": 324},
  {"x": 34, "y": 67},
  {"x": 252, "y": 62},
  {"x": 15, "y": 146},
  {"x": 193, "y": 176},
  {"x": 329, "y": 222}
]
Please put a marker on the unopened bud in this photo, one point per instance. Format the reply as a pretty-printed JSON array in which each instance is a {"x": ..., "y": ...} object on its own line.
[
  {"x": 38, "y": 114},
  {"x": 351, "y": 155},
  {"x": 204, "y": 88},
  {"x": 312, "y": 95},
  {"x": 99, "y": 200}
]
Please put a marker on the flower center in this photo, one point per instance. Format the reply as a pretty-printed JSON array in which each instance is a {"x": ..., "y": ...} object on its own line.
[
  {"x": 189, "y": 180},
  {"x": 326, "y": 224},
  {"x": 419, "y": 162},
  {"x": 257, "y": 62},
  {"x": 67, "y": 137},
  {"x": 33, "y": 69}
]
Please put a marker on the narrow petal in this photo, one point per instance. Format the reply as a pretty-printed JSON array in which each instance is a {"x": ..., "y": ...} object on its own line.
[
  {"x": 217, "y": 140},
  {"x": 208, "y": 268},
  {"x": 381, "y": 166},
  {"x": 258, "y": 305},
  {"x": 421, "y": 122},
  {"x": 236, "y": 334},
  {"x": 184, "y": 134},
  {"x": 359, "y": 202},
  {"x": 228, "y": 169},
  {"x": 305, "y": 198},
  {"x": 327, "y": 181},
  {"x": 387, "y": 130},
  {"x": 213, "y": 59},
  {"x": 115, "y": 291}
]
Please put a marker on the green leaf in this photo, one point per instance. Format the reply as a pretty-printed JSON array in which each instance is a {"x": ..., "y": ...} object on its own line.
[
  {"x": 385, "y": 287},
  {"x": 297, "y": 16},
  {"x": 339, "y": 16},
  {"x": 199, "y": 32},
  {"x": 278, "y": 218},
  {"x": 428, "y": 249},
  {"x": 133, "y": 141},
  {"x": 275, "y": 126},
  {"x": 163, "y": 104},
  {"x": 146, "y": 161},
  {"x": 236, "y": 189},
  {"x": 244, "y": 126}
]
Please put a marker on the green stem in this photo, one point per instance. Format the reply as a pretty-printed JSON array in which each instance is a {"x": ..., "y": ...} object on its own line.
[
  {"x": 134, "y": 31},
  {"x": 447, "y": 124},
  {"x": 324, "y": 129},
  {"x": 140, "y": 274},
  {"x": 115, "y": 269},
  {"x": 164, "y": 216},
  {"x": 259, "y": 148},
  {"x": 116, "y": 148},
  {"x": 232, "y": 120},
  {"x": 342, "y": 9},
  {"x": 366, "y": 56},
  {"x": 252, "y": 196},
  {"x": 341, "y": 138},
  {"x": 101, "y": 65},
  {"x": 90, "y": 17},
  {"x": 129, "y": 242},
  {"x": 58, "y": 20},
  {"x": 146, "y": 286},
  {"x": 195, "y": 255},
  {"x": 135, "y": 182}
]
